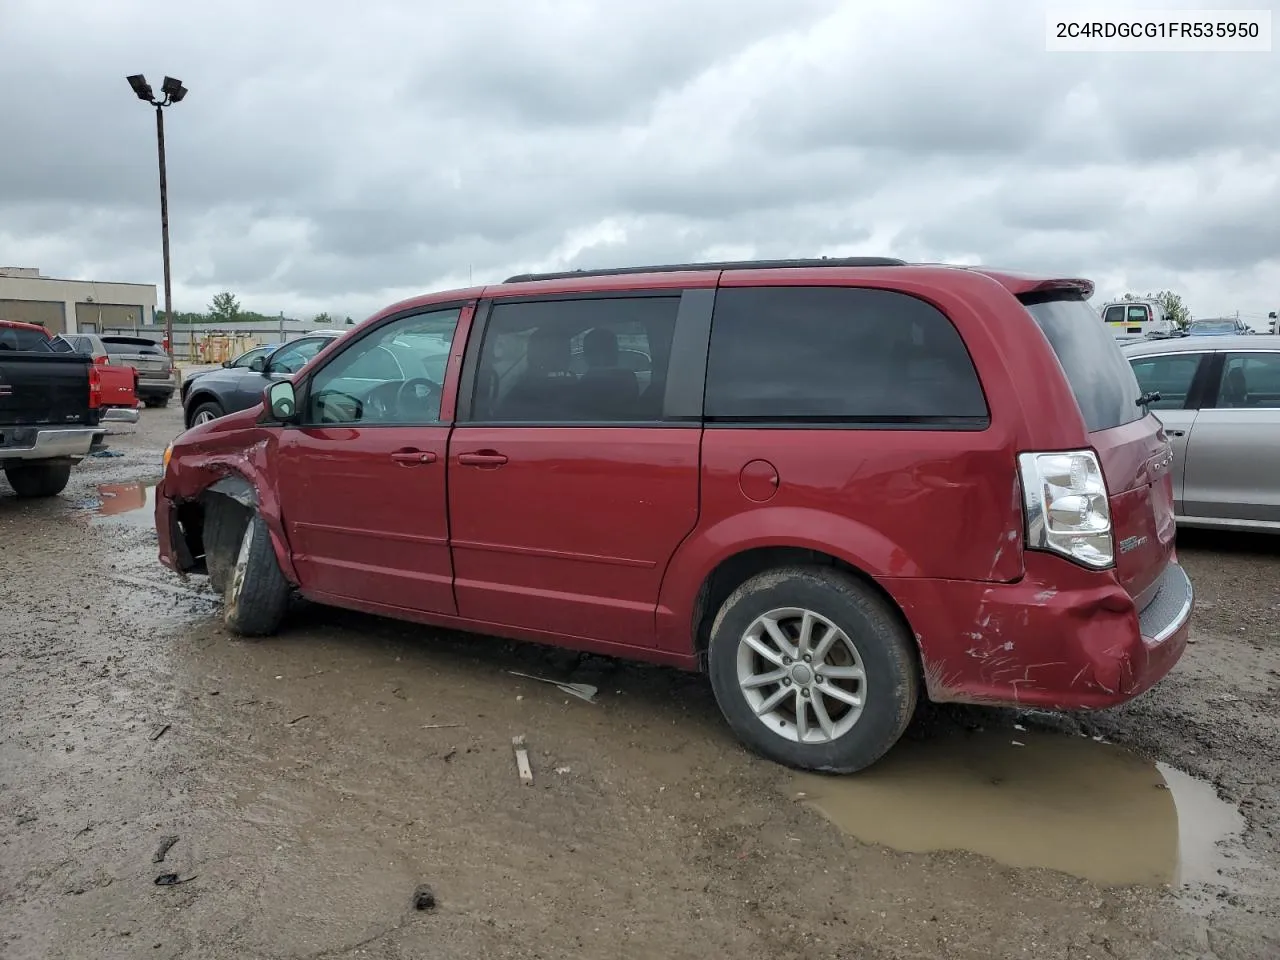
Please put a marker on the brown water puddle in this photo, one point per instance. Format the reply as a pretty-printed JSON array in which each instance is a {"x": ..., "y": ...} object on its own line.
[
  {"x": 1029, "y": 799},
  {"x": 132, "y": 503}
]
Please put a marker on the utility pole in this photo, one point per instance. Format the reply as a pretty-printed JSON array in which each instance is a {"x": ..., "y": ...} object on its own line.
[{"x": 173, "y": 91}]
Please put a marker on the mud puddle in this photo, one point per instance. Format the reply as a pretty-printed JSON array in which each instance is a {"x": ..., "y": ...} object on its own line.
[
  {"x": 132, "y": 504},
  {"x": 1030, "y": 799}
]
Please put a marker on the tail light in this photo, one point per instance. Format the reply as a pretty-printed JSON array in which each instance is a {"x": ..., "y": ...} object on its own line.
[
  {"x": 95, "y": 387},
  {"x": 1066, "y": 504},
  {"x": 103, "y": 361}
]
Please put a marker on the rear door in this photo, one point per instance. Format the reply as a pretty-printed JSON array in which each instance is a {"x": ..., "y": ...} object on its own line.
[
  {"x": 1180, "y": 379},
  {"x": 1136, "y": 458},
  {"x": 1233, "y": 458},
  {"x": 570, "y": 489},
  {"x": 362, "y": 479}
]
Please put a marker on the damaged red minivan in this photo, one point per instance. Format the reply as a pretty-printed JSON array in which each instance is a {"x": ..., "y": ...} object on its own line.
[{"x": 834, "y": 485}]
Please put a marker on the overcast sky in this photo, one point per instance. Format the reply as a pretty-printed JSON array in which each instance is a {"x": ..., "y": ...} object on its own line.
[{"x": 338, "y": 156}]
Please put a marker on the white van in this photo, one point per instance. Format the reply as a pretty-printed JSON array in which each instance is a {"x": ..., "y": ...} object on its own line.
[{"x": 1135, "y": 319}]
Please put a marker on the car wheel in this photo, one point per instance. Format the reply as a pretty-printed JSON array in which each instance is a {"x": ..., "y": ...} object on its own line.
[
  {"x": 813, "y": 669},
  {"x": 209, "y": 410},
  {"x": 256, "y": 593},
  {"x": 156, "y": 402},
  {"x": 223, "y": 532},
  {"x": 38, "y": 479}
]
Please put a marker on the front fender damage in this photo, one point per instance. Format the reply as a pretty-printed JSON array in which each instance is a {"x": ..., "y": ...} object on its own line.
[{"x": 197, "y": 475}]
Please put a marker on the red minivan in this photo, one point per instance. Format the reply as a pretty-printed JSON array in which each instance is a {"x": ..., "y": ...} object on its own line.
[{"x": 834, "y": 485}]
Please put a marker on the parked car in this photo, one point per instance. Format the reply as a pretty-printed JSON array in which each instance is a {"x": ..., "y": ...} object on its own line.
[
  {"x": 228, "y": 389},
  {"x": 1137, "y": 318},
  {"x": 50, "y": 410},
  {"x": 157, "y": 375},
  {"x": 119, "y": 383},
  {"x": 841, "y": 485},
  {"x": 1220, "y": 406},
  {"x": 242, "y": 362},
  {"x": 1227, "y": 327}
]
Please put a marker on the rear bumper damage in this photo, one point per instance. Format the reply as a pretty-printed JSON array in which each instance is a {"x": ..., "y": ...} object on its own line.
[{"x": 1062, "y": 638}]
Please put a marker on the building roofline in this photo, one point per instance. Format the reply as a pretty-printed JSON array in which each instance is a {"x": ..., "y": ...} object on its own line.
[{"x": 97, "y": 283}]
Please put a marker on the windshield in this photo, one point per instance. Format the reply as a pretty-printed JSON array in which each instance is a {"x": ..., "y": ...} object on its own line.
[
  {"x": 1212, "y": 326},
  {"x": 1101, "y": 379}
]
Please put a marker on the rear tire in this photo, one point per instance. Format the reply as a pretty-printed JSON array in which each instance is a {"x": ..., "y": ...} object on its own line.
[
  {"x": 209, "y": 410},
  {"x": 256, "y": 594},
  {"x": 154, "y": 402},
  {"x": 38, "y": 479},
  {"x": 837, "y": 712}
]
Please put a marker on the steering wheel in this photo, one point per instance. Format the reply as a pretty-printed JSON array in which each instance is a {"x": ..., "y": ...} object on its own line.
[
  {"x": 418, "y": 393},
  {"x": 325, "y": 397}
]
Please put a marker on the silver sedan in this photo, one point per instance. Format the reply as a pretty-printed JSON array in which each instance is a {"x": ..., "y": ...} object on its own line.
[{"x": 1220, "y": 405}]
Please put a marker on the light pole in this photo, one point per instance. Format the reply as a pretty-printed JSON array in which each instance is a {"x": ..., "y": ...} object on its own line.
[{"x": 173, "y": 92}]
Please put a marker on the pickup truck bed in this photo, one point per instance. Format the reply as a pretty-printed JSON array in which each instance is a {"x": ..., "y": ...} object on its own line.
[{"x": 48, "y": 419}]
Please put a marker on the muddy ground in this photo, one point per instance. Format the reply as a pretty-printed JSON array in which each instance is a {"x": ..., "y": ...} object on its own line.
[{"x": 316, "y": 779}]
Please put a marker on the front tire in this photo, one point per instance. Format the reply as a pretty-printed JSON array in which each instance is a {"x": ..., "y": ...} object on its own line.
[
  {"x": 38, "y": 479},
  {"x": 839, "y": 710},
  {"x": 209, "y": 410},
  {"x": 256, "y": 594}
]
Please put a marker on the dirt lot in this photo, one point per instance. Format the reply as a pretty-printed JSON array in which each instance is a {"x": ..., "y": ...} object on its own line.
[{"x": 315, "y": 779}]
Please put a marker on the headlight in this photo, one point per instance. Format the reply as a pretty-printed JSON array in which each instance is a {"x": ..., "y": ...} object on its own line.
[{"x": 168, "y": 452}]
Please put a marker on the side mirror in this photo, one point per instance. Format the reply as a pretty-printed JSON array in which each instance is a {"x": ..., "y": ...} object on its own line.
[
  {"x": 281, "y": 401},
  {"x": 226, "y": 363},
  {"x": 257, "y": 364}
]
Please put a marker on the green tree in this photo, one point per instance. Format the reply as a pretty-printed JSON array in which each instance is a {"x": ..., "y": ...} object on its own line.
[
  {"x": 350, "y": 322},
  {"x": 322, "y": 319},
  {"x": 1172, "y": 305},
  {"x": 224, "y": 308}
]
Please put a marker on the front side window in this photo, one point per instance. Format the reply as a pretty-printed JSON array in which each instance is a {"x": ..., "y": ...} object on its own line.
[
  {"x": 1170, "y": 376},
  {"x": 294, "y": 356},
  {"x": 599, "y": 360},
  {"x": 393, "y": 375},
  {"x": 1250, "y": 380},
  {"x": 841, "y": 355},
  {"x": 245, "y": 360}
]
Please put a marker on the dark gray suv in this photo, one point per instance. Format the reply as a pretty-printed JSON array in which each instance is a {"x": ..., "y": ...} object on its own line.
[{"x": 228, "y": 389}]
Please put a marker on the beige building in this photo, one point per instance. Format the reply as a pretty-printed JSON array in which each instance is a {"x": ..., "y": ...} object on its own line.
[{"x": 74, "y": 306}]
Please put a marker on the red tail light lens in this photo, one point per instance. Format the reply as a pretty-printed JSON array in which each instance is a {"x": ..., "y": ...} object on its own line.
[
  {"x": 95, "y": 387},
  {"x": 102, "y": 361}
]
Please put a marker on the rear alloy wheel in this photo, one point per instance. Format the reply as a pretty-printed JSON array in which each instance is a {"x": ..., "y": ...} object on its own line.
[
  {"x": 256, "y": 595},
  {"x": 209, "y": 410},
  {"x": 813, "y": 669},
  {"x": 38, "y": 479}
]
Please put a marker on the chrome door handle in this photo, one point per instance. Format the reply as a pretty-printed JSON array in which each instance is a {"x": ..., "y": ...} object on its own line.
[{"x": 1175, "y": 433}]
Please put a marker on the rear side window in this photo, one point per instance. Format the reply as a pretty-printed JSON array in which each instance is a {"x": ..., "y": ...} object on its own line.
[
  {"x": 1104, "y": 384},
  {"x": 840, "y": 355},
  {"x": 1170, "y": 375}
]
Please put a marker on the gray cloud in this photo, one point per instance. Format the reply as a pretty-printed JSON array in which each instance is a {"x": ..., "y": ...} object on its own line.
[{"x": 336, "y": 160}]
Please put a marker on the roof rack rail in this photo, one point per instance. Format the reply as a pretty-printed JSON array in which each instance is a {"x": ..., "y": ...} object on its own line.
[{"x": 723, "y": 265}]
